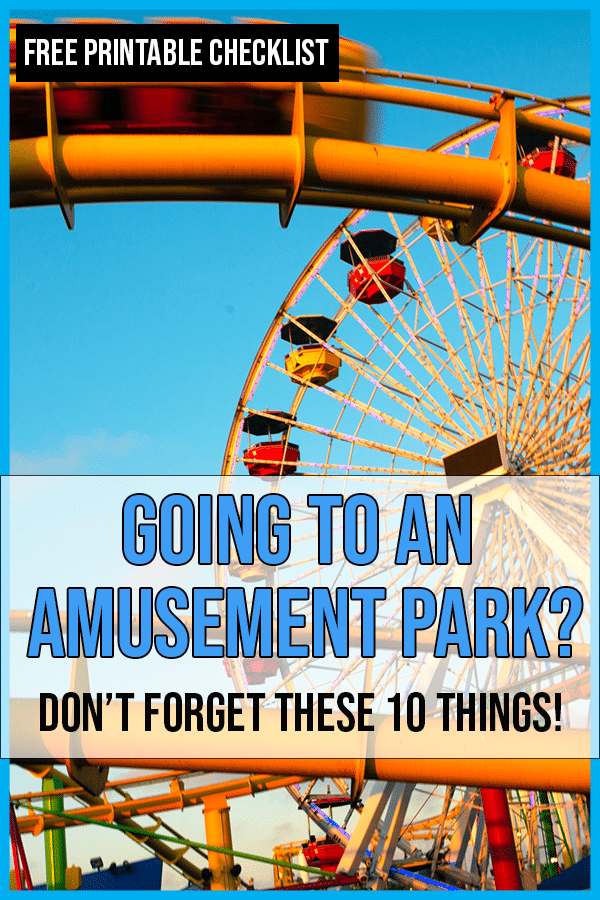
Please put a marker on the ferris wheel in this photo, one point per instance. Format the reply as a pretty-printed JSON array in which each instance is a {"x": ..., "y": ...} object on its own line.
[
  {"x": 435, "y": 346},
  {"x": 401, "y": 354},
  {"x": 478, "y": 352}
]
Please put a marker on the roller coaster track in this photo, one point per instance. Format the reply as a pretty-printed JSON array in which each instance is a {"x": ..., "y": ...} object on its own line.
[{"x": 106, "y": 167}]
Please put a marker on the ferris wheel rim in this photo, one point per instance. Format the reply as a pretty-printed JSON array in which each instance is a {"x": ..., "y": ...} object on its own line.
[{"x": 309, "y": 273}]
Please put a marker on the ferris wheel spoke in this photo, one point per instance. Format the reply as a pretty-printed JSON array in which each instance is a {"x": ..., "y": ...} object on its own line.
[
  {"x": 565, "y": 348},
  {"x": 533, "y": 387},
  {"x": 458, "y": 369},
  {"x": 415, "y": 348},
  {"x": 436, "y": 366},
  {"x": 427, "y": 306},
  {"x": 571, "y": 412},
  {"x": 582, "y": 374},
  {"x": 562, "y": 277},
  {"x": 397, "y": 391},
  {"x": 470, "y": 334},
  {"x": 526, "y": 313},
  {"x": 345, "y": 304},
  {"x": 543, "y": 461},
  {"x": 558, "y": 400},
  {"x": 551, "y": 405},
  {"x": 476, "y": 335},
  {"x": 491, "y": 318},
  {"x": 359, "y": 441},
  {"x": 507, "y": 369},
  {"x": 426, "y": 395},
  {"x": 414, "y": 409},
  {"x": 578, "y": 276}
]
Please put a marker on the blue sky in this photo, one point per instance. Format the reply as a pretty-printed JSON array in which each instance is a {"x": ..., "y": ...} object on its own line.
[
  {"x": 118, "y": 327},
  {"x": 132, "y": 335}
]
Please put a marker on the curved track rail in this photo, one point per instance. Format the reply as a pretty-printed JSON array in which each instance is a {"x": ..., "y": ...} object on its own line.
[{"x": 105, "y": 167}]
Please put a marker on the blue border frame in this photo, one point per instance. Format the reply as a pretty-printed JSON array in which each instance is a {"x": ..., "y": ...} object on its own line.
[{"x": 595, "y": 318}]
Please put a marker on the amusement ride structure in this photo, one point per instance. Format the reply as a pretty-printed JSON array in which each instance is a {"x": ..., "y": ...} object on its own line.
[{"x": 456, "y": 348}]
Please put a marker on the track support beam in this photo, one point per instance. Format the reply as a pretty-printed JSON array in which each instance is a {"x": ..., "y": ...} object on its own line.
[
  {"x": 501, "y": 839},
  {"x": 286, "y": 208},
  {"x": 55, "y": 841},
  {"x": 218, "y": 834},
  {"x": 504, "y": 150},
  {"x": 67, "y": 208}
]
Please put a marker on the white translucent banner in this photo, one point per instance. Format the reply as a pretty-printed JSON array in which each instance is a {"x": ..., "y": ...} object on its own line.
[{"x": 315, "y": 618}]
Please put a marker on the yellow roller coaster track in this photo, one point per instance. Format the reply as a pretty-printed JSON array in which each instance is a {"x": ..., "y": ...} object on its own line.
[{"x": 475, "y": 193}]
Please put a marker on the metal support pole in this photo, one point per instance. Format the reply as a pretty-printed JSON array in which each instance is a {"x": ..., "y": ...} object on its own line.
[
  {"x": 387, "y": 844},
  {"x": 440, "y": 832},
  {"x": 360, "y": 838},
  {"x": 218, "y": 834},
  {"x": 501, "y": 839},
  {"x": 55, "y": 840},
  {"x": 546, "y": 822}
]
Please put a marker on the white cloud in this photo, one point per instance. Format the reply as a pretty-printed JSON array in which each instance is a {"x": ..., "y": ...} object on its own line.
[{"x": 78, "y": 455}]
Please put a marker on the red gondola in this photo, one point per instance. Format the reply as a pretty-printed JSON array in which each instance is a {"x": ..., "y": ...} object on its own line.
[
  {"x": 257, "y": 670},
  {"x": 323, "y": 853},
  {"x": 376, "y": 247},
  {"x": 270, "y": 459},
  {"x": 537, "y": 153},
  {"x": 541, "y": 159}
]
